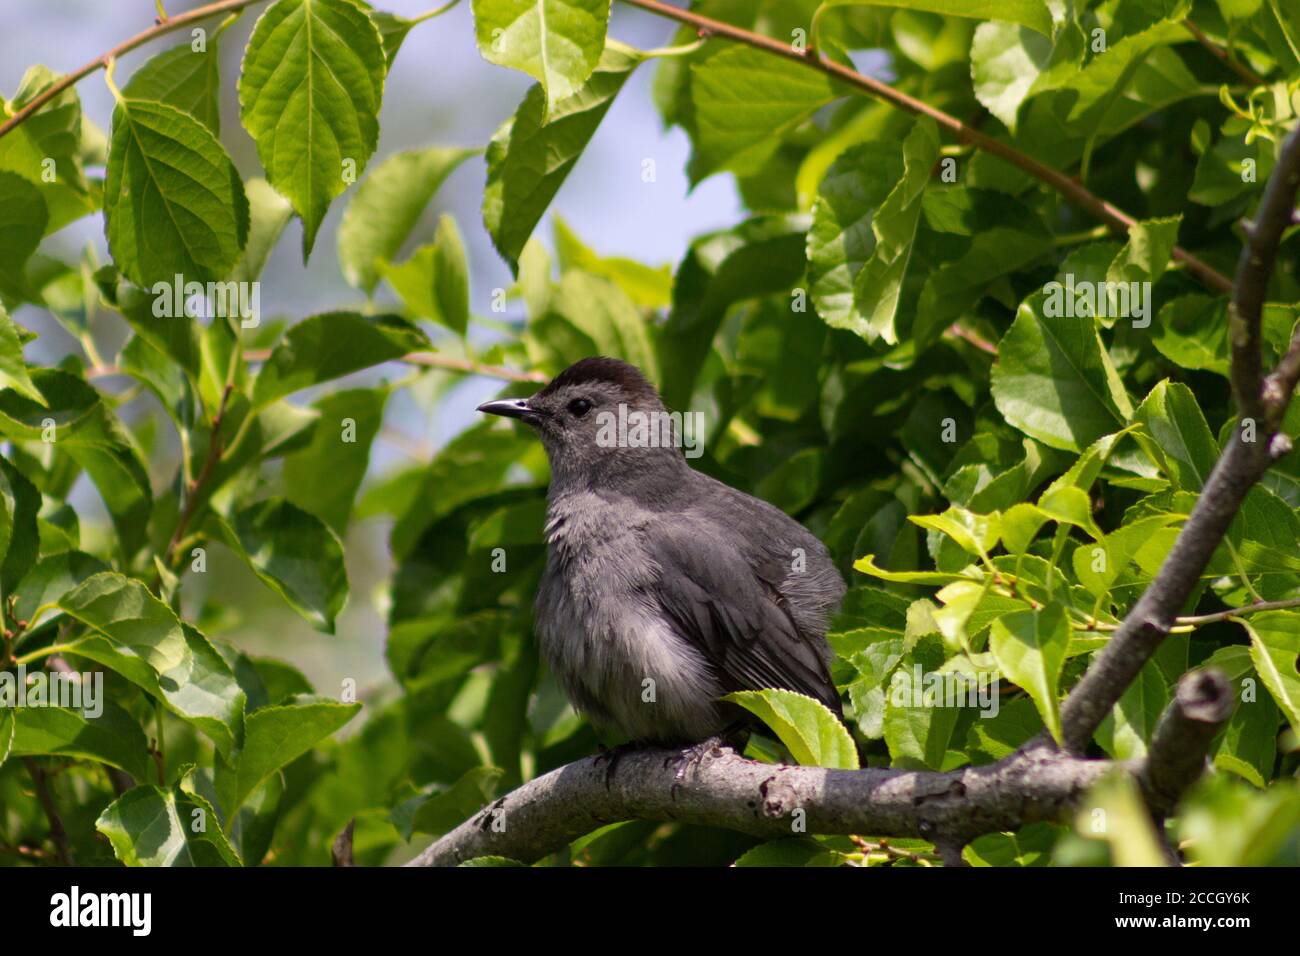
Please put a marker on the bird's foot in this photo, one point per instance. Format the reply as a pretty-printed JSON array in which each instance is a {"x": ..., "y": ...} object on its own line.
[
  {"x": 614, "y": 755},
  {"x": 690, "y": 758}
]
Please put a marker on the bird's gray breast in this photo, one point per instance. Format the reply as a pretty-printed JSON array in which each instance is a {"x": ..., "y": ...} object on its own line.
[{"x": 615, "y": 654}]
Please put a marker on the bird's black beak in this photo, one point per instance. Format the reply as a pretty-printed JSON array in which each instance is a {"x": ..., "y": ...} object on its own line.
[{"x": 508, "y": 408}]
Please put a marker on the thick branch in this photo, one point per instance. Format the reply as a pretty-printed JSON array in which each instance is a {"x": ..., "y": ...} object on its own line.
[
  {"x": 1067, "y": 186},
  {"x": 1254, "y": 268},
  {"x": 772, "y": 801},
  {"x": 1249, "y": 453},
  {"x": 764, "y": 800},
  {"x": 1176, "y": 758},
  {"x": 1150, "y": 619}
]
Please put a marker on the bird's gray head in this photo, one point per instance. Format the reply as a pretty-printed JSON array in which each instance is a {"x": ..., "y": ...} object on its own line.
[{"x": 599, "y": 419}]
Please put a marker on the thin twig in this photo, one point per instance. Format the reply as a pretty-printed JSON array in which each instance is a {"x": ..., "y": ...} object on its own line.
[
  {"x": 883, "y": 846},
  {"x": 126, "y": 46},
  {"x": 437, "y": 360},
  {"x": 1198, "y": 619},
  {"x": 58, "y": 834},
  {"x": 194, "y": 493},
  {"x": 1224, "y": 54},
  {"x": 1187, "y": 622},
  {"x": 1067, "y": 186}
]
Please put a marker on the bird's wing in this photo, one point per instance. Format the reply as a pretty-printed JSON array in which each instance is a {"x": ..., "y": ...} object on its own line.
[{"x": 736, "y": 619}]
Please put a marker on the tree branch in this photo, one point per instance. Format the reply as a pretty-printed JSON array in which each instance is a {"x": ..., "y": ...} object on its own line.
[
  {"x": 1224, "y": 54},
  {"x": 772, "y": 801},
  {"x": 100, "y": 62},
  {"x": 1067, "y": 186},
  {"x": 1201, "y": 706},
  {"x": 1249, "y": 453},
  {"x": 58, "y": 835},
  {"x": 767, "y": 800},
  {"x": 1254, "y": 267},
  {"x": 437, "y": 360}
]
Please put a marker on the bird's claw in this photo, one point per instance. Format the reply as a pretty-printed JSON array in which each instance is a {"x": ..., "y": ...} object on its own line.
[
  {"x": 614, "y": 755},
  {"x": 691, "y": 757}
]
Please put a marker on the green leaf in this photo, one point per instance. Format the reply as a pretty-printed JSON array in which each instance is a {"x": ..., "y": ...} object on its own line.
[
  {"x": 1275, "y": 650},
  {"x": 841, "y": 239},
  {"x": 557, "y": 42},
  {"x": 1221, "y": 171},
  {"x": 1192, "y": 332},
  {"x": 1248, "y": 745},
  {"x": 1127, "y": 729},
  {"x": 13, "y": 368},
  {"x": 23, "y": 218},
  {"x": 1031, "y": 846},
  {"x": 270, "y": 213},
  {"x": 1103, "y": 81},
  {"x": 1114, "y": 811},
  {"x": 647, "y": 286},
  {"x": 450, "y": 276},
  {"x": 999, "y": 236},
  {"x": 1015, "y": 723},
  {"x": 446, "y": 808},
  {"x": 974, "y": 533},
  {"x": 1070, "y": 506},
  {"x": 84, "y": 426},
  {"x": 814, "y": 736},
  {"x": 19, "y": 534},
  {"x": 1031, "y": 13},
  {"x": 1010, "y": 64},
  {"x": 386, "y": 208},
  {"x": 7, "y": 722},
  {"x": 175, "y": 338},
  {"x": 1099, "y": 565},
  {"x": 340, "y": 448},
  {"x": 294, "y": 553},
  {"x": 532, "y": 153},
  {"x": 253, "y": 828},
  {"x": 1054, "y": 380},
  {"x": 54, "y": 132},
  {"x": 1030, "y": 647},
  {"x": 173, "y": 201},
  {"x": 309, "y": 95},
  {"x": 1227, "y": 823},
  {"x": 918, "y": 736},
  {"x": 878, "y": 286},
  {"x": 141, "y": 638},
  {"x": 325, "y": 347},
  {"x": 867, "y": 565},
  {"x": 759, "y": 257},
  {"x": 185, "y": 78},
  {"x": 393, "y": 30},
  {"x": 1181, "y": 439},
  {"x": 112, "y": 737},
  {"x": 796, "y": 851},
  {"x": 274, "y": 737},
  {"x": 602, "y": 311},
  {"x": 51, "y": 578},
  {"x": 150, "y": 826},
  {"x": 744, "y": 100},
  {"x": 1147, "y": 252}
]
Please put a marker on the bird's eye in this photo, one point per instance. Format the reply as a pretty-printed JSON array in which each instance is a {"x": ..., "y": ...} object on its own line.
[{"x": 580, "y": 407}]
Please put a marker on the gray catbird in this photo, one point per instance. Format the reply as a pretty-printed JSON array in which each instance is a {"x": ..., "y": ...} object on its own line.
[{"x": 664, "y": 588}]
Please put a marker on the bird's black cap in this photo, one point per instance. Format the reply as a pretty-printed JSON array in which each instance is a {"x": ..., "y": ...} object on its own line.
[{"x": 601, "y": 368}]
